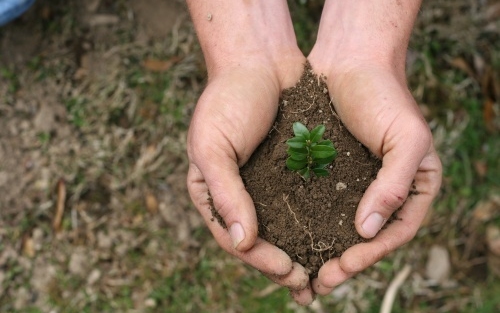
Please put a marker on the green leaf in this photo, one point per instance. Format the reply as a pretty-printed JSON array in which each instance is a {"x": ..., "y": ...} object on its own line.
[
  {"x": 326, "y": 143},
  {"x": 295, "y": 165},
  {"x": 296, "y": 142},
  {"x": 305, "y": 173},
  {"x": 321, "y": 165},
  {"x": 320, "y": 172},
  {"x": 325, "y": 161},
  {"x": 321, "y": 152},
  {"x": 297, "y": 153},
  {"x": 300, "y": 130},
  {"x": 317, "y": 132}
]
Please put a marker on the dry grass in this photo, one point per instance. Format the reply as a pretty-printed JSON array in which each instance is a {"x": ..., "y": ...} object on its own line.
[{"x": 97, "y": 97}]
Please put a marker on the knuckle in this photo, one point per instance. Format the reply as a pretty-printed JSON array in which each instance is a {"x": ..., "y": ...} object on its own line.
[{"x": 394, "y": 197}]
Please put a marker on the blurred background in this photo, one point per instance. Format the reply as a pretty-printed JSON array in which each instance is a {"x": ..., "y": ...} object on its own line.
[{"x": 95, "y": 101}]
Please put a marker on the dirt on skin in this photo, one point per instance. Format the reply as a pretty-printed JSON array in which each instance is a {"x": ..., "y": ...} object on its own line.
[{"x": 312, "y": 221}]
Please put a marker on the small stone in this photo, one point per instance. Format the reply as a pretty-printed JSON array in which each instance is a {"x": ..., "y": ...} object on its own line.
[
  {"x": 438, "y": 264},
  {"x": 151, "y": 203},
  {"x": 340, "y": 186}
]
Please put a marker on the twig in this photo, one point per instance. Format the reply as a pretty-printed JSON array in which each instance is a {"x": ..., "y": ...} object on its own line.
[
  {"x": 274, "y": 128},
  {"x": 302, "y": 111},
  {"x": 285, "y": 198},
  {"x": 390, "y": 295},
  {"x": 330, "y": 104},
  {"x": 321, "y": 246},
  {"x": 61, "y": 199}
]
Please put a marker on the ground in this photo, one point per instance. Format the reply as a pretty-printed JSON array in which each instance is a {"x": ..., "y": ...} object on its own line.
[{"x": 95, "y": 101}]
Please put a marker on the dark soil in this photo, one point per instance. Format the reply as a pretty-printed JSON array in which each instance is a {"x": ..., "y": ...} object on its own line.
[{"x": 312, "y": 221}]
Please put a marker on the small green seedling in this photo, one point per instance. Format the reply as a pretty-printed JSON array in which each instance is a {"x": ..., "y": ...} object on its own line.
[{"x": 308, "y": 152}]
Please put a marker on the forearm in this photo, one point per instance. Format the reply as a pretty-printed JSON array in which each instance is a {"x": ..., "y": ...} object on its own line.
[
  {"x": 366, "y": 31},
  {"x": 232, "y": 32}
]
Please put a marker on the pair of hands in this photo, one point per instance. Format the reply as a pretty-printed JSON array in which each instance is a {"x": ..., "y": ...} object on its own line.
[{"x": 237, "y": 110}]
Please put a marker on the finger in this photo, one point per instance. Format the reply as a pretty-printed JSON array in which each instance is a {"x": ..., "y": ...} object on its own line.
[
  {"x": 220, "y": 172},
  {"x": 297, "y": 279},
  {"x": 404, "y": 153},
  {"x": 360, "y": 256},
  {"x": 262, "y": 255},
  {"x": 402, "y": 230},
  {"x": 330, "y": 276},
  {"x": 303, "y": 297}
]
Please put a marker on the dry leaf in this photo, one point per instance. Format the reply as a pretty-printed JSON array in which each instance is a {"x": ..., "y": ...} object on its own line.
[
  {"x": 493, "y": 12},
  {"x": 103, "y": 19},
  {"x": 156, "y": 65},
  {"x": 461, "y": 64},
  {"x": 92, "y": 5},
  {"x": 484, "y": 211},
  {"x": 268, "y": 290},
  {"x": 488, "y": 113},
  {"x": 151, "y": 203},
  {"x": 29, "y": 247},
  {"x": 61, "y": 199},
  {"x": 147, "y": 156},
  {"x": 481, "y": 168}
]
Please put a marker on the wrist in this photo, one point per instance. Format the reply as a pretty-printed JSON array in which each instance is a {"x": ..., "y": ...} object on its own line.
[
  {"x": 240, "y": 33},
  {"x": 364, "y": 34}
]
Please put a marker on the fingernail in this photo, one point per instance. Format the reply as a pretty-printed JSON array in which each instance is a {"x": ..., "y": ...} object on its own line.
[
  {"x": 373, "y": 224},
  {"x": 237, "y": 234}
]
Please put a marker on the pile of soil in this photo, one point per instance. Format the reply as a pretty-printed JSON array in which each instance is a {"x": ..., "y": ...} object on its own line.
[{"x": 313, "y": 220}]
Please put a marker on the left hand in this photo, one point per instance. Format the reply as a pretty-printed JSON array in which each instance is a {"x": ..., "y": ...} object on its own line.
[{"x": 379, "y": 110}]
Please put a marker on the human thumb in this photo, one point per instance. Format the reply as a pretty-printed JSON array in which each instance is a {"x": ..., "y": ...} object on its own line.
[
  {"x": 232, "y": 202},
  {"x": 388, "y": 192}
]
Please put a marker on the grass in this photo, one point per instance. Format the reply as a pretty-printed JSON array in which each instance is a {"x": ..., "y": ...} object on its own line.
[
  {"x": 217, "y": 284},
  {"x": 199, "y": 277}
]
